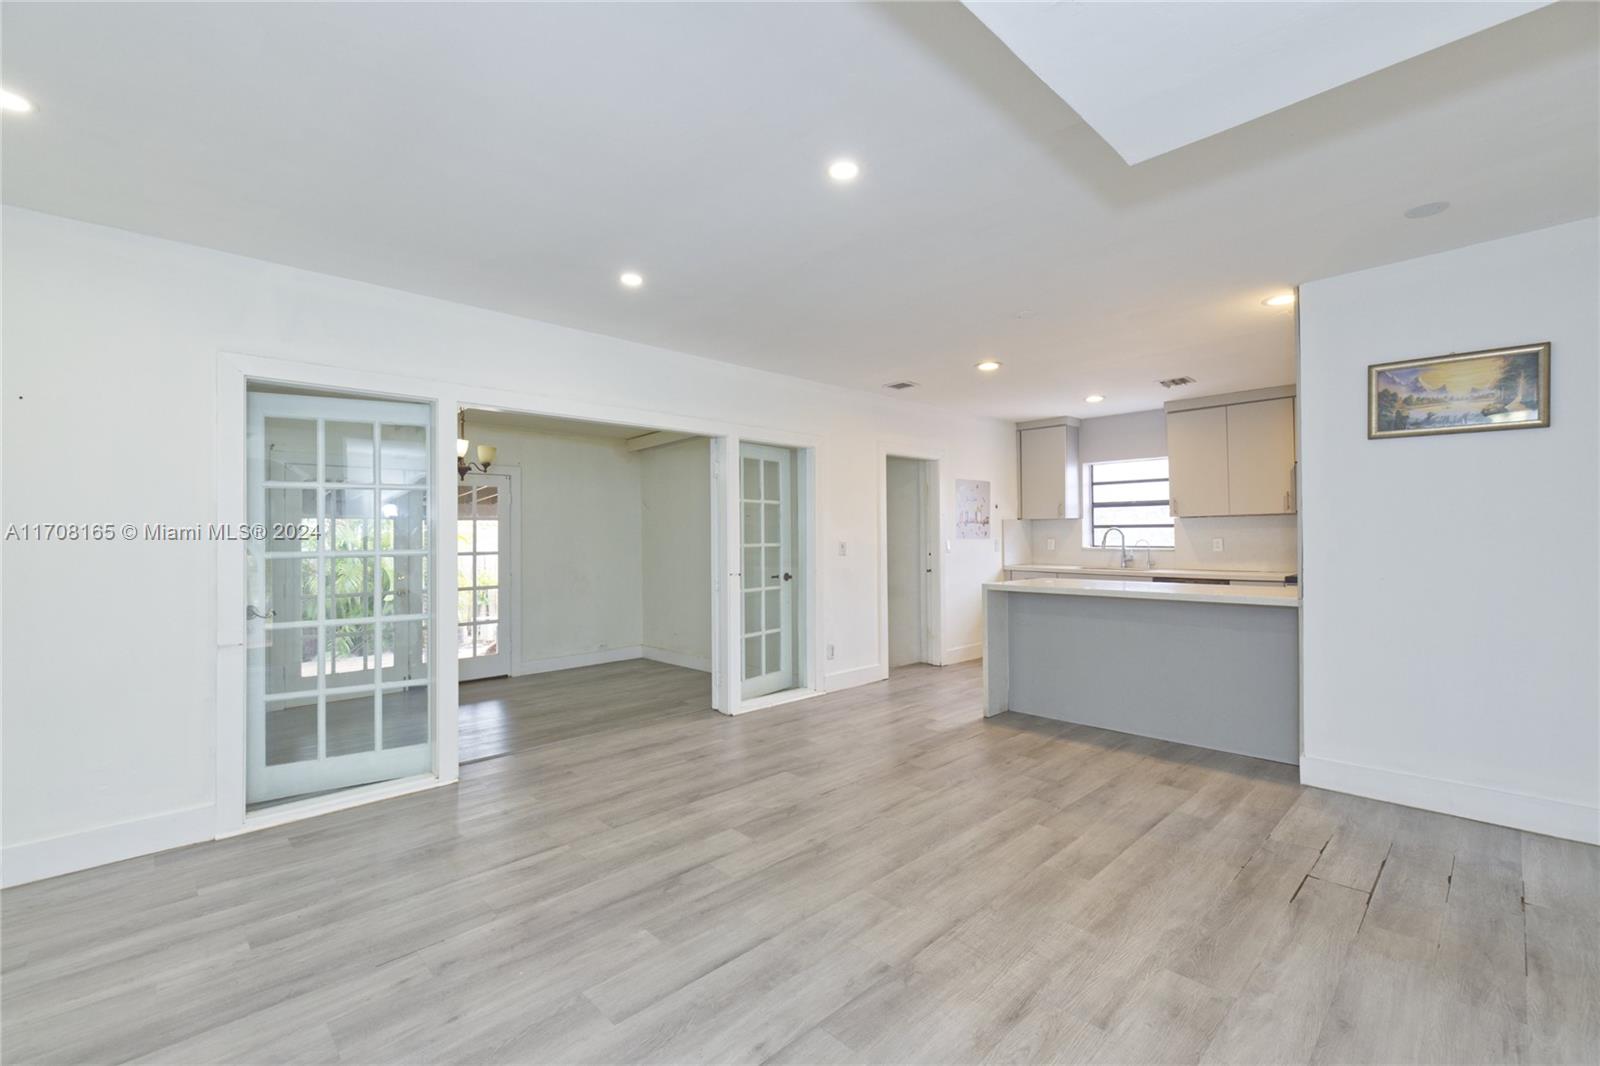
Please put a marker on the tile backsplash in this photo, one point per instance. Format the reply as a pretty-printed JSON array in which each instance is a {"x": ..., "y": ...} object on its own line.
[{"x": 1256, "y": 542}]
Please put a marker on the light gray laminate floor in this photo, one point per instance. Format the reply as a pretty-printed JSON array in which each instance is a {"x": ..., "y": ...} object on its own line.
[{"x": 878, "y": 875}]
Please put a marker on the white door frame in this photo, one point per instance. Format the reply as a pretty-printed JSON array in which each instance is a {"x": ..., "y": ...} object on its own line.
[
  {"x": 934, "y": 532},
  {"x": 235, "y": 374},
  {"x": 235, "y": 371}
]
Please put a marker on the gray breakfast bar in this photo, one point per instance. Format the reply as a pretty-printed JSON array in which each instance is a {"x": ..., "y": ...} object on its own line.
[{"x": 1215, "y": 666}]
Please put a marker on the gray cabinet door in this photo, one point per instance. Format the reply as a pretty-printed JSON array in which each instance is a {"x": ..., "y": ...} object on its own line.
[
  {"x": 1197, "y": 456},
  {"x": 1261, "y": 457},
  {"x": 1044, "y": 472}
]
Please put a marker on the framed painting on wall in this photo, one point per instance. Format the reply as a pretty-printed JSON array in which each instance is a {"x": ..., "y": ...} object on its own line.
[
  {"x": 972, "y": 510},
  {"x": 1498, "y": 388}
]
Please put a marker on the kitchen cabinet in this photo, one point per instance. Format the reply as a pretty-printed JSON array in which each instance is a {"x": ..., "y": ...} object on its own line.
[
  {"x": 1049, "y": 474},
  {"x": 1197, "y": 461},
  {"x": 1261, "y": 457},
  {"x": 1233, "y": 455}
]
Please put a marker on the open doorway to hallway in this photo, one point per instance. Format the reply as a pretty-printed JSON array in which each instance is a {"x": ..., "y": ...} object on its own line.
[
  {"x": 584, "y": 577},
  {"x": 911, "y": 512}
]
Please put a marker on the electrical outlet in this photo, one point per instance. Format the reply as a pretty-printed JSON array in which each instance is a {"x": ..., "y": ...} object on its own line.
[
  {"x": 1049, "y": 544},
  {"x": 830, "y": 652},
  {"x": 1216, "y": 544}
]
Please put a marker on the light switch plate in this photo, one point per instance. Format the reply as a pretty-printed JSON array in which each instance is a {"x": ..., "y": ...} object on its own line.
[
  {"x": 1049, "y": 544},
  {"x": 830, "y": 652},
  {"x": 1216, "y": 544},
  {"x": 841, "y": 547}
]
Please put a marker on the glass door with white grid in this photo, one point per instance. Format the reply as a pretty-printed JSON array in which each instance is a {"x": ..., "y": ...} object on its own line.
[
  {"x": 339, "y": 686},
  {"x": 483, "y": 503},
  {"x": 766, "y": 498}
]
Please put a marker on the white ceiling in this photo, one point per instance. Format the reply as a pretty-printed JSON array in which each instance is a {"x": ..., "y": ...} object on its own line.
[
  {"x": 1151, "y": 77},
  {"x": 519, "y": 156}
]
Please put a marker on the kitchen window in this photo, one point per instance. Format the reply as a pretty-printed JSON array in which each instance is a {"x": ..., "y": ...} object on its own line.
[{"x": 1134, "y": 496}]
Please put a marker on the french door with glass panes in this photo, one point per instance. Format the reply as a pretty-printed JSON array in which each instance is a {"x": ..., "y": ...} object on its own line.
[
  {"x": 483, "y": 508},
  {"x": 766, "y": 494},
  {"x": 338, "y": 653}
]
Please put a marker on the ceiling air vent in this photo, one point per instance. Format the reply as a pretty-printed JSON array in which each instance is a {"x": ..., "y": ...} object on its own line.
[
  {"x": 901, "y": 385},
  {"x": 1172, "y": 383}
]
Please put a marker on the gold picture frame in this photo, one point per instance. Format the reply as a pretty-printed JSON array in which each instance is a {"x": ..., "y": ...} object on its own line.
[{"x": 1496, "y": 388}]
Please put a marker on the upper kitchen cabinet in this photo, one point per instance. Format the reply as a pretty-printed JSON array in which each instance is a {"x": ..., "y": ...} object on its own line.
[
  {"x": 1197, "y": 461},
  {"x": 1261, "y": 457},
  {"x": 1048, "y": 455},
  {"x": 1232, "y": 455}
]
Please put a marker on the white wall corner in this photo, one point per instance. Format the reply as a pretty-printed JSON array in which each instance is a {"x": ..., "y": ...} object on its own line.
[
  {"x": 523, "y": 667},
  {"x": 677, "y": 658},
  {"x": 1536, "y": 814},
  {"x": 36, "y": 860}
]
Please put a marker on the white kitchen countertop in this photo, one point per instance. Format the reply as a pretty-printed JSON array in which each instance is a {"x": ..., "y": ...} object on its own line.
[
  {"x": 1155, "y": 572},
  {"x": 1251, "y": 595}
]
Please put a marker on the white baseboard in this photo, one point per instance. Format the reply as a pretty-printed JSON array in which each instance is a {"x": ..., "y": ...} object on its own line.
[
  {"x": 963, "y": 653},
  {"x": 524, "y": 667},
  {"x": 678, "y": 658},
  {"x": 863, "y": 675},
  {"x": 39, "y": 859},
  {"x": 1536, "y": 814}
]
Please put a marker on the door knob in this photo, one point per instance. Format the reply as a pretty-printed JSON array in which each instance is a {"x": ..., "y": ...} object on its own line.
[
  {"x": 788, "y": 577},
  {"x": 252, "y": 612}
]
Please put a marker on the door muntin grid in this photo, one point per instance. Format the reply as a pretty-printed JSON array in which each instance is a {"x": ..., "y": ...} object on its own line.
[
  {"x": 480, "y": 571},
  {"x": 339, "y": 684},
  {"x": 767, "y": 625}
]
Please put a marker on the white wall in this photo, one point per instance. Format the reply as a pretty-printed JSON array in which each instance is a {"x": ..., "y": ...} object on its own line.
[
  {"x": 111, "y": 347},
  {"x": 675, "y": 494},
  {"x": 1450, "y": 583},
  {"x": 1249, "y": 542},
  {"x": 581, "y": 526}
]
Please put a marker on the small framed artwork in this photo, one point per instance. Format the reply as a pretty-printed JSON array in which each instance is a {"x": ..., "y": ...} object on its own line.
[
  {"x": 1499, "y": 388},
  {"x": 972, "y": 510}
]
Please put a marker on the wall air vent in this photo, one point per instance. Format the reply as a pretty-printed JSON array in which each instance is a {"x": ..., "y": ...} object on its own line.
[
  {"x": 901, "y": 385},
  {"x": 1172, "y": 383}
]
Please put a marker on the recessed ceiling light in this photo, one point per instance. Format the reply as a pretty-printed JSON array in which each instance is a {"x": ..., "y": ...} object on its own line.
[
  {"x": 843, "y": 170},
  {"x": 631, "y": 280},
  {"x": 10, "y": 101},
  {"x": 989, "y": 366},
  {"x": 1283, "y": 299},
  {"x": 1428, "y": 210},
  {"x": 1093, "y": 397}
]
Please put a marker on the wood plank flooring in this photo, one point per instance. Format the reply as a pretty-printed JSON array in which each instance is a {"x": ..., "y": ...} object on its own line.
[{"x": 878, "y": 875}]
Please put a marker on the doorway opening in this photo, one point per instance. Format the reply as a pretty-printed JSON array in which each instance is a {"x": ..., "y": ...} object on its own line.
[
  {"x": 911, "y": 525},
  {"x": 584, "y": 571}
]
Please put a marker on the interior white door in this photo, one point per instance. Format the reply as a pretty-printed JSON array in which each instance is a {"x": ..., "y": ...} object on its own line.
[
  {"x": 766, "y": 490},
  {"x": 908, "y": 563},
  {"x": 339, "y": 689},
  {"x": 483, "y": 576}
]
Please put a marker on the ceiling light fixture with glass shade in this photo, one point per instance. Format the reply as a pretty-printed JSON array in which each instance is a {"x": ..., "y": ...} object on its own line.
[{"x": 486, "y": 452}]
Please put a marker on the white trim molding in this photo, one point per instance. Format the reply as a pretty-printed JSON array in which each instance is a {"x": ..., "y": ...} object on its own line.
[
  {"x": 1481, "y": 803},
  {"x": 861, "y": 675},
  {"x": 524, "y": 667},
  {"x": 36, "y": 860},
  {"x": 963, "y": 653},
  {"x": 701, "y": 663}
]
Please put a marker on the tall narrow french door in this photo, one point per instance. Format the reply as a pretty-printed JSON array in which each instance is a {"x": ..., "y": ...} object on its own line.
[
  {"x": 483, "y": 576},
  {"x": 766, "y": 504},
  {"x": 340, "y": 692}
]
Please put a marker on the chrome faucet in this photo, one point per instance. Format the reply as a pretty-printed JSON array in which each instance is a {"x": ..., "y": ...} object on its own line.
[
  {"x": 1124, "y": 557},
  {"x": 1145, "y": 544}
]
